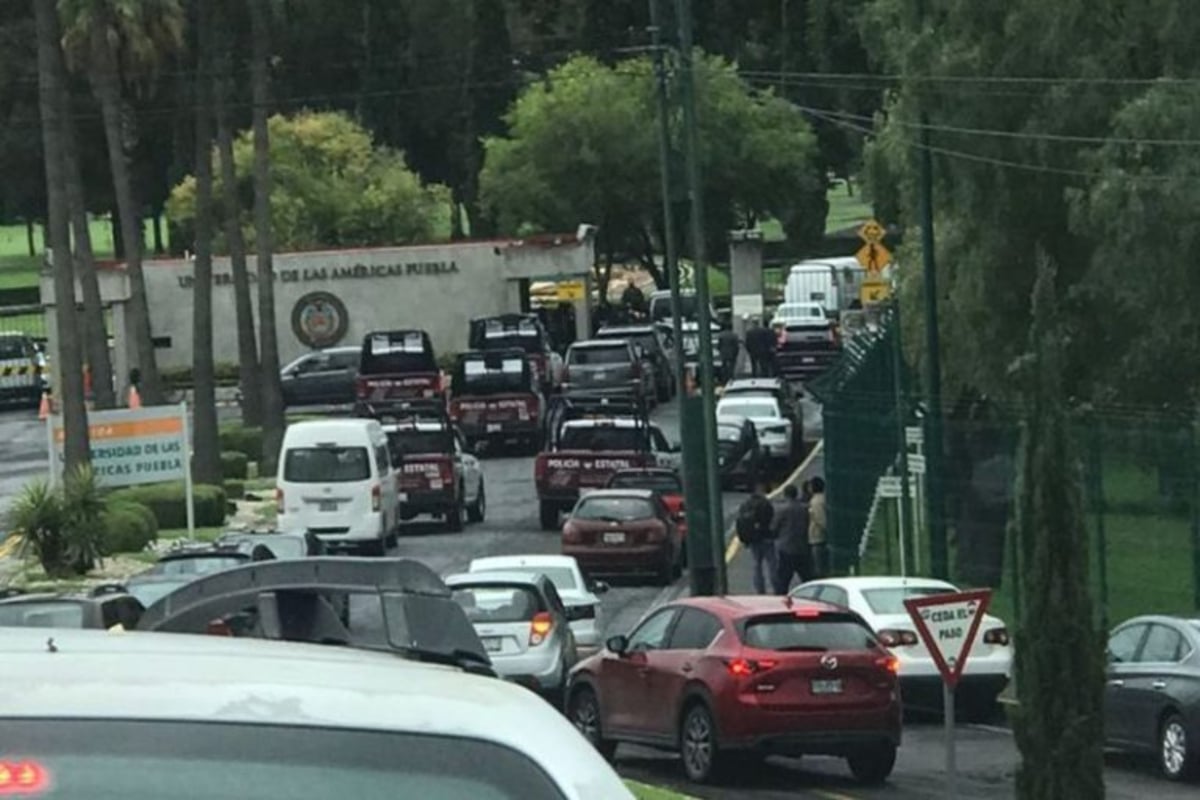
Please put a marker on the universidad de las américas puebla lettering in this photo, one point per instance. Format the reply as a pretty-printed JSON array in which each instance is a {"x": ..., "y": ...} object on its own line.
[
  {"x": 355, "y": 272},
  {"x": 137, "y": 459}
]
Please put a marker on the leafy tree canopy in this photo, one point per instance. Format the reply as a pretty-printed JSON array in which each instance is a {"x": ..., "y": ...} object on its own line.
[{"x": 333, "y": 187}]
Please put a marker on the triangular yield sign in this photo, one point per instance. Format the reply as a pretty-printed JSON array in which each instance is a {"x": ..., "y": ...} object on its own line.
[{"x": 948, "y": 625}]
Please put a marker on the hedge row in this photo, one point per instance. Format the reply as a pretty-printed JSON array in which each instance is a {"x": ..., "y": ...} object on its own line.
[
  {"x": 235, "y": 465},
  {"x": 127, "y": 527},
  {"x": 237, "y": 438},
  {"x": 226, "y": 374},
  {"x": 168, "y": 502}
]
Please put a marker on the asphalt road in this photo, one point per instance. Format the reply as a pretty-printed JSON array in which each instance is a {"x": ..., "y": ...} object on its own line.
[{"x": 987, "y": 755}]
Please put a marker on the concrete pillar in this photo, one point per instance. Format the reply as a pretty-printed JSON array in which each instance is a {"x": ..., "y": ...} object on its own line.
[
  {"x": 512, "y": 295},
  {"x": 746, "y": 276},
  {"x": 121, "y": 348},
  {"x": 583, "y": 311}
]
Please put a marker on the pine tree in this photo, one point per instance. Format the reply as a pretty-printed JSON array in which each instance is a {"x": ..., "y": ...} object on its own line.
[{"x": 1059, "y": 657}]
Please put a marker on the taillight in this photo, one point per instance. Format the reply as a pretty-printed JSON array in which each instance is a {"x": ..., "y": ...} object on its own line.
[
  {"x": 656, "y": 534},
  {"x": 745, "y": 667},
  {"x": 540, "y": 628},
  {"x": 376, "y": 497},
  {"x": 445, "y": 472},
  {"x": 278, "y": 500},
  {"x": 455, "y": 411},
  {"x": 997, "y": 636},
  {"x": 539, "y": 470},
  {"x": 218, "y": 627},
  {"x": 361, "y": 389},
  {"x": 897, "y": 638},
  {"x": 570, "y": 534},
  {"x": 890, "y": 666}
]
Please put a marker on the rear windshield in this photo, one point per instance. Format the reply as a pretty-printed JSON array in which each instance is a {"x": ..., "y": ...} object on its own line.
[
  {"x": 50, "y": 614},
  {"x": 11, "y": 347},
  {"x": 614, "y": 509},
  {"x": 656, "y": 482},
  {"x": 327, "y": 465},
  {"x": 599, "y": 356},
  {"x": 396, "y": 353},
  {"x": 199, "y": 565},
  {"x": 530, "y": 342},
  {"x": 752, "y": 410},
  {"x": 789, "y": 632},
  {"x": 497, "y": 603},
  {"x": 646, "y": 338},
  {"x": 407, "y": 443},
  {"x": 603, "y": 439},
  {"x": 891, "y": 601},
  {"x": 85, "y": 760},
  {"x": 660, "y": 307}
]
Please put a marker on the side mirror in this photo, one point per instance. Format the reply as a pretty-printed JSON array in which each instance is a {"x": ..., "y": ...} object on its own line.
[
  {"x": 599, "y": 587},
  {"x": 617, "y": 645}
]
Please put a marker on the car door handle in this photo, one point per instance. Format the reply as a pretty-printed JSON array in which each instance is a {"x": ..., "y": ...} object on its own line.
[
  {"x": 1117, "y": 683},
  {"x": 1159, "y": 685}
]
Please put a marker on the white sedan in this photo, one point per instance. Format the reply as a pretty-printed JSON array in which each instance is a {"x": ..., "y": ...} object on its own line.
[
  {"x": 578, "y": 594},
  {"x": 775, "y": 436},
  {"x": 880, "y": 601}
]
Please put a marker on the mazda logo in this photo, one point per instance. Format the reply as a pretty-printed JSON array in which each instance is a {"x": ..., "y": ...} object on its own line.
[{"x": 829, "y": 662}]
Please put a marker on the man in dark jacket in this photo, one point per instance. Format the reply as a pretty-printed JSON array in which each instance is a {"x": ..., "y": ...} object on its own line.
[
  {"x": 754, "y": 530},
  {"x": 791, "y": 539},
  {"x": 728, "y": 346},
  {"x": 760, "y": 346}
]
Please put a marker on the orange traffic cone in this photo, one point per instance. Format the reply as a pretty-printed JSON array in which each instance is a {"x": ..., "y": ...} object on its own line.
[
  {"x": 44, "y": 408},
  {"x": 135, "y": 399}
]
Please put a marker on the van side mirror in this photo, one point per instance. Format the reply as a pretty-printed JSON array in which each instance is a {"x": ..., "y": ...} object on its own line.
[
  {"x": 598, "y": 587},
  {"x": 618, "y": 645}
]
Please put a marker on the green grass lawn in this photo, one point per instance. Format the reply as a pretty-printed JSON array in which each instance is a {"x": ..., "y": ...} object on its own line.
[
  {"x": 845, "y": 210},
  {"x": 1148, "y": 553},
  {"x": 644, "y": 792},
  {"x": 18, "y": 269},
  {"x": 202, "y": 534}
]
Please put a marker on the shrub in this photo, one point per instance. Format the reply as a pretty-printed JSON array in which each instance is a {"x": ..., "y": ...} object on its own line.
[
  {"x": 234, "y": 465},
  {"x": 128, "y": 528},
  {"x": 37, "y": 516},
  {"x": 238, "y": 438},
  {"x": 168, "y": 502},
  {"x": 83, "y": 506},
  {"x": 235, "y": 489},
  {"x": 226, "y": 374},
  {"x": 63, "y": 528}
]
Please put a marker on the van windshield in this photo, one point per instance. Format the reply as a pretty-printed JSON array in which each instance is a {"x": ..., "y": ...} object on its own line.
[{"x": 327, "y": 465}]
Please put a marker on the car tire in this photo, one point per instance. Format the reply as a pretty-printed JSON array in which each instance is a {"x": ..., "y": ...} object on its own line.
[
  {"x": 583, "y": 711},
  {"x": 476, "y": 511},
  {"x": 871, "y": 766},
  {"x": 548, "y": 514},
  {"x": 698, "y": 749},
  {"x": 454, "y": 516},
  {"x": 1178, "y": 757}
]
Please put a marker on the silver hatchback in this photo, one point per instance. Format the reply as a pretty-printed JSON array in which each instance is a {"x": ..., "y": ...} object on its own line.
[{"x": 523, "y": 625}]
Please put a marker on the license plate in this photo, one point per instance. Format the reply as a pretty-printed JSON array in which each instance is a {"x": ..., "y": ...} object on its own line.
[
  {"x": 493, "y": 427},
  {"x": 617, "y": 537},
  {"x": 491, "y": 644},
  {"x": 436, "y": 485},
  {"x": 827, "y": 687},
  {"x": 601, "y": 375},
  {"x": 327, "y": 505},
  {"x": 810, "y": 360}
]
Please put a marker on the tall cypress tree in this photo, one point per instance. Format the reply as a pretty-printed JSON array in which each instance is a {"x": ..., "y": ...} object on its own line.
[{"x": 1059, "y": 653}]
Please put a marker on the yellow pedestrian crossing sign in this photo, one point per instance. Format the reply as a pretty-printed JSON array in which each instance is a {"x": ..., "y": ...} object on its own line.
[
  {"x": 872, "y": 232},
  {"x": 871, "y": 292},
  {"x": 874, "y": 257}
]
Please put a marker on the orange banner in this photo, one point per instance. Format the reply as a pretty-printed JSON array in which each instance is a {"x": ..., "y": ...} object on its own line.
[{"x": 128, "y": 430}]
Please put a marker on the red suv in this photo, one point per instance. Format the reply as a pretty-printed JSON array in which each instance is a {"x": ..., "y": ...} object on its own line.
[{"x": 727, "y": 679}]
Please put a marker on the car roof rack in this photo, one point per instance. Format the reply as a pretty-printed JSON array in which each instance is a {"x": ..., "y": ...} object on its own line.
[
  {"x": 289, "y": 600},
  {"x": 564, "y": 409},
  {"x": 402, "y": 412}
]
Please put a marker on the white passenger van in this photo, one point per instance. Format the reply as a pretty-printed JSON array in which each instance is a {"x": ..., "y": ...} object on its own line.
[{"x": 336, "y": 481}]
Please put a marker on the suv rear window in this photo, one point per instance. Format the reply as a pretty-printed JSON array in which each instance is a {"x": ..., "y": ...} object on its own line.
[
  {"x": 407, "y": 443},
  {"x": 497, "y": 602},
  {"x": 657, "y": 482},
  {"x": 84, "y": 759},
  {"x": 782, "y": 632},
  {"x": 891, "y": 601},
  {"x": 50, "y": 614},
  {"x": 597, "y": 356},
  {"x": 614, "y": 509},
  {"x": 327, "y": 465}
]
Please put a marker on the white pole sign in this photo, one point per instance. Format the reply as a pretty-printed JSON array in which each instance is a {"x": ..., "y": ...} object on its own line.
[{"x": 948, "y": 625}]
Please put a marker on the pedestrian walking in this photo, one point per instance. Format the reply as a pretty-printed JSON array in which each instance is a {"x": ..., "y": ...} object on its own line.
[
  {"x": 791, "y": 525},
  {"x": 728, "y": 346},
  {"x": 760, "y": 346},
  {"x": 755, "y": 531},
  {"x": 818, "y": 528}
]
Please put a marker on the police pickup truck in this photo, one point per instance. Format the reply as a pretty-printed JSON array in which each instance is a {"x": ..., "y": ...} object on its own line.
[
  {"x": 397, "y": 366},
  {"x": 523, "y": 332},
  {"x": 436, "y": 472},
  {"x": 588, "y": 441},
  {"x": 495, "y": 399}
]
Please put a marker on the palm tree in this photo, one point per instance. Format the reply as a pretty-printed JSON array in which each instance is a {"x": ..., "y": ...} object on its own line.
[
  {"x": 113, "y": 41},
  {"x": 207, "y": 457},
  {"x": 70, "y": 364},
  {"x": 260, "y": 19},
  {"x": 248, "y": 366},
  {"x": 95, "y": 331}
]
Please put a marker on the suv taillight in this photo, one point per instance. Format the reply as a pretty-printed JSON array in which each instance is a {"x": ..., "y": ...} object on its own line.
[
  {"x": 998, "y": 636},
  {"x": 361, "y": 388},
  {"x": 376, "y": 497},
  {"x": 745, "y": 667},
  {"x": 540, "y": 628},
  {"x": 539, "y": 470},
  {"x": 278, "y": 501},
  {"x": 897, "y": 638},
  {"x": 218, "y": 627}
]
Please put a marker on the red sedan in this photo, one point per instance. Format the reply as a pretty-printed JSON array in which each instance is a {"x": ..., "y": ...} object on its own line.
[
  {"x": 663, "y": 481},
  {"x": 621, "y": 531},
  {"x": 724, "y": 680}
]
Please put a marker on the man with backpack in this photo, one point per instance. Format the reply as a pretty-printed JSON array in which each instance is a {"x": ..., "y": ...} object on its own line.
[{"x": 754, "y": 530}]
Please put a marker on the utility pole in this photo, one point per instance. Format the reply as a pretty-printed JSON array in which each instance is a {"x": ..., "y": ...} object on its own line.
[
  {"x": 708, "y": 422},
  {"x": 939, "y": 551},
  {"x": 701, "y": 563},
  {"x": 903, "y": 505}
]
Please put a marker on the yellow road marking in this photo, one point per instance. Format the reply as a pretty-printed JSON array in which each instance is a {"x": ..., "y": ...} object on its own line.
[
  {"x": 735, "y": 544},
  {"x": 828, "y": 795}
]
